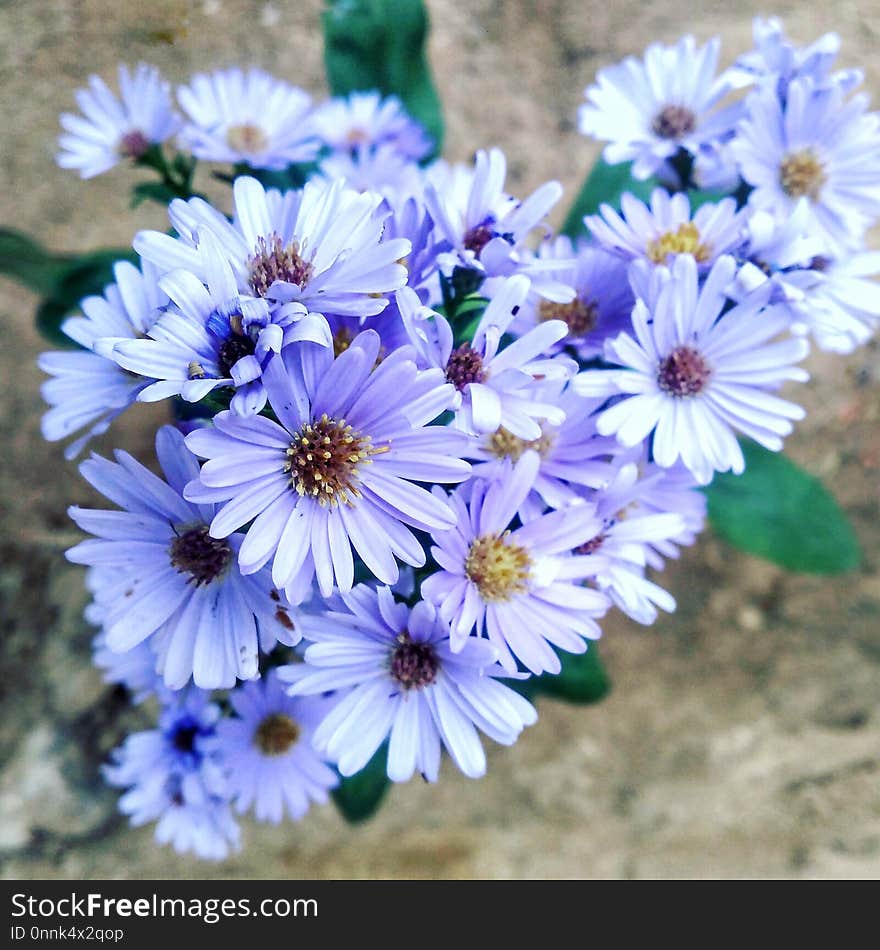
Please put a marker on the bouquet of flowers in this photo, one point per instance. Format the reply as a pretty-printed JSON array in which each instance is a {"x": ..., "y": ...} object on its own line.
[{"x": 417, "y": 445}]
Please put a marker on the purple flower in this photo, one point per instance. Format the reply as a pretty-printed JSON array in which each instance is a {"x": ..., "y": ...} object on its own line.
[
  {"x": 693, "y": 379},
  {"x": 366, "y": 120},
  {"x": 267, "y": 749},
  {"x": 338, "y": 469},
  {"x": 518, "y": 586},
  {"x": 172, "y": 583},
  {"x": 402, "y": 680}
]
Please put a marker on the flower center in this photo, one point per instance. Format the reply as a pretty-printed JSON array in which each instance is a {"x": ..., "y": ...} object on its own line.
[
  {"x": 580, "y": 316},
  {"x": 498, "y": 567},
  {"x": 232, "y": 350},
  {"x": 274, "y": 260},
  {"x": 356, "y": 136},
  {"x": 591, "y": 546},
  {"x": 465, "y": 366},
  {"x": 324, "y": 457},
  {"x": 686, "y": 240},
  {"x": 133, "y": 144},
  {"x": 276, "y": 734},
  {"x": 184, "y": 737},
  {"x": 477, "y": 238},
  {"x": 196, "y": 553},
  {"x": 801, "y": 173},
  {"x": 504, "y": 444},
  {"x": 247, "y": 138},
  {"x": 673, "y": 122},
  {"x": 413, "y": 665},
  {"x": 683, "y": 373}
]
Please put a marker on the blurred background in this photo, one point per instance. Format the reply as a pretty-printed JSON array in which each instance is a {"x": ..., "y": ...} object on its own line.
[{"x": 742, "y": 736}]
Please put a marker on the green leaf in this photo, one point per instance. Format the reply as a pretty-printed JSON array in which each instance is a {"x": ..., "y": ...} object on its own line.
[
  {"x": 582, "y": 680},
  {"x": 778, "y": 511},
  {"x": 699, "y": 198},
  {"x": 156, "y": 191},
  {"x": 358, "y": 797},
  {"x": 604, "y": 185},
  {"x": 380, "y": 44},
  {"x": 24, "y": 260}
]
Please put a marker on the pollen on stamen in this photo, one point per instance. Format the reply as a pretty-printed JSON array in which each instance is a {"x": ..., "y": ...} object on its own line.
[
  {"x": 504, "y": 444},
  {"x": 580, "y": 316},
  {"x": 465, "y": 366},
  {"x": 802, "y": 174},
  {"x": 684, "y": 240},
  {"x": 499, "y": 568}
]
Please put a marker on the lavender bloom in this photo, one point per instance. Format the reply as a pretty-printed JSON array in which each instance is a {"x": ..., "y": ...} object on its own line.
[
  {"x": 113, "y": 129},
  {"x": 381, "y": 169},
  {"x": 247, "y": 116},
  {"x": 817, "y": 146},
  {"x": 135, "y": 669},
  {"x": 664, "y": 231},
  {"x": 172, "y": 582},
  {"x": 267, "y": 748},
  {"x": 647, "y": 110},
  {"x": 174, "y": 776},
  {"x": 691, "y": 378},
  {"x": 518, "y": 586},
  {"x": 321, "y": 247},
  {"x": 216, "y": 337},
  {"x": 402, "y": 679},
  {"x": 88, "y": 390},
  {"x": 496, "y": 386},
  {"x": 339, "y": 469},
  {"x": 366, "y": 120}
]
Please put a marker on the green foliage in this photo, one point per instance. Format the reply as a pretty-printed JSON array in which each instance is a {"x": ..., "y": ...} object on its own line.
[
  {"x": 604, "y": 185},
  {"x": 380, "y": 44},
  {"x": 358, "y": 797},
  {"x": 582, "y": 680},
  {"x": 62, "y": 280},
  {"x": 778, "y": 511}
]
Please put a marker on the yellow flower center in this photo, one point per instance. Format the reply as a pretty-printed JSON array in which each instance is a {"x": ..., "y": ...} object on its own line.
[
  {"x": 580, "y": 316},
  {"x": 801, "y": 173},
  {"x": 504, "y": 444},
  {"x": 685, "y": 240},
  {"x": 276, "y": 734},
  {"x": 499, "y": 568},
  {"x": 247, "y": 138}
]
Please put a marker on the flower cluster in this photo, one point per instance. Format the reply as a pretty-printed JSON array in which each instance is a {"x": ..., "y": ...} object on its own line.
[{"x": 421, "y": 444}]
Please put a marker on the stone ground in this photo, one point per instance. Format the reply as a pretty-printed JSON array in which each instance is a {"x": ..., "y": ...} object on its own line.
[{"x": 742, "y": 736}]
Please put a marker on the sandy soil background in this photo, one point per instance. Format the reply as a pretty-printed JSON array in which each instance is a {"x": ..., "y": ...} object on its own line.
[{"x": 743, "y": 735}]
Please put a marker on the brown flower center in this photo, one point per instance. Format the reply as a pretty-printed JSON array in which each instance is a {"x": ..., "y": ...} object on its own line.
[
  {"x": 498, "y": 567},
  {"x": 274, "y": 260},
  {"x": 580, "y": 316},
  {"x": 591, "y": 546},
  {"x": 276, "y": 734},
  {"x": 196, "y": 553},
  {"x": 673, "y": 122},
  {"x": 801, "y": 173},
  {"x": 465, "y": 365},
  {"x": 247, "y": 138},
  {"x": 683, "y": 373},
  {"x": 413, "y": 665},
  {"x": 477, "y": 238},
  {"x": 133, "y": 144},
  {"x": 324, "y": 458}
]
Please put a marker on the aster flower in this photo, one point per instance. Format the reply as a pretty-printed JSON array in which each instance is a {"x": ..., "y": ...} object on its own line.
[
  {"x": 135, "y": 669},
  {"x": 337, "y": 470},
  {"x": 602, "y": 302},
  {"x": 320, "y": 247},
  {"x": 483, "y": 226},
  {"x": 381, "y": 169},
  {"x": 88, "y": 390},
  {"x": 267, "y": 748},
  {"x": 819, "y": 146},
  {"x": 365, "y": 119},
  {"x": 518, "y": 586},
  {"x": 112, "y": 129},
  {"x": 216, "y": 337},
  {"x": 173, "y": 583},
  {"x": 496, "y": 385},
  {"x": 174, "y": 776},
  {"x": 693, "y": 379},
  {"x": 249, "y": 117},
  {"x": 401, "y": 679},
  {"x": 659, "y": 233},
  {"x": 647, "y": 110}
]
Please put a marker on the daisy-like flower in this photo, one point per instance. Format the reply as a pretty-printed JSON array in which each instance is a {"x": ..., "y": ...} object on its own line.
[
  {"x": 660, "y": 233},
  {"x": 603, "y": 299},
  {"x": 382, "y": 169},
  {"x": 216, "y": 337},
  {"x": 112, "y": 129},
  {"x": 365, "y": 119},
  {"x": 402, "y": 680},
  {"x": 647, "y": 110},
  {"x": 321, "y": 247},
  {"x": 248, "y": 117},
  {"x": 267, "y": 749},
  {"x": 693, "y": 379},
  {"x": 172, "y": 582},
  {"x": 496, "y": 386},
  {"x": 135, "y": 669},
  {"x": 88, "y": 390},
  {"x": 484, "y": 226},
  {"x": 518, "y": 586},
  {"x": 338, "y": 469},
  {"x": 817, "y": 145},
  {"x": 175, "y": 777}
]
